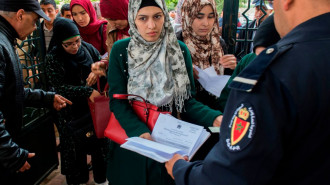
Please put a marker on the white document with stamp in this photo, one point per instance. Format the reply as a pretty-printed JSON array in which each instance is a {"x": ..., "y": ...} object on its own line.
[
  {"x": 170, "y": 136},
  {"x": 211, "y": 81}
]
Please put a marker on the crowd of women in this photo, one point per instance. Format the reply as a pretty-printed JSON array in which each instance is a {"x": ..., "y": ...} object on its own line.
[{"x": 137, "y": 51}]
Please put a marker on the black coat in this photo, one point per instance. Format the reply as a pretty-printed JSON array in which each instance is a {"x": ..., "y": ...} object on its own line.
[
  {"x": 13, "y": 97},
  {"x": 66, "y": 75}
]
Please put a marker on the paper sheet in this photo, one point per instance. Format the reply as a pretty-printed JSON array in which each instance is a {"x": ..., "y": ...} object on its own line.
[
  {"x": 170, "y": 136},
  {"x": 177, "y": 133},
  {"x": 212, "y": 82}
]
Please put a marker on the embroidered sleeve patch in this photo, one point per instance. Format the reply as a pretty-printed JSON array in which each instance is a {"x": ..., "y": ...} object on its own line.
[{"x": 242, "y": 128}]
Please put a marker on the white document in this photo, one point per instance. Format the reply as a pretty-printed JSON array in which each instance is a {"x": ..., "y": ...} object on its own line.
[
  {"x": 170, "y": 136},
  {"x": 212, "y": 82},
  {"x": 214, "y": 129}
]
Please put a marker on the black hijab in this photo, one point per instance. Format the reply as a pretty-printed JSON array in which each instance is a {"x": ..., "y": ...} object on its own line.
[
  {"x": 145, "y": 3},
  {"x": 65, "y": 29},
  {"x": 77, "y": 65}
]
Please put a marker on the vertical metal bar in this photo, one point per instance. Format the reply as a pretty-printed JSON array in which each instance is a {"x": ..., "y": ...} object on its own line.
[
  {"x": 40, "y": 43},
  {"x": 230, "y": 23},
  {"x": 246, "y": 31}
]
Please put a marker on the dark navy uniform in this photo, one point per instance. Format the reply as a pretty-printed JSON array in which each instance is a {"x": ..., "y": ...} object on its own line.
[{"x": 276, "y": 126}]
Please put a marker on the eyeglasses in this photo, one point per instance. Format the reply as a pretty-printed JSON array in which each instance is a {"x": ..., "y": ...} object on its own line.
[{"x": 71, "y": 44}]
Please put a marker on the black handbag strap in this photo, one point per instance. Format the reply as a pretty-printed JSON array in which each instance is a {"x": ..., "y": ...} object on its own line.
[{"x": 101, "y": 32}]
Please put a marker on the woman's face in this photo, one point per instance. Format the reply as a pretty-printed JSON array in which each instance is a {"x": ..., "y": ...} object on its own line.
[
  {"x": 80, "y": 16},
  {"x": 72, "y": 45},
  {"x": 117, "y": 23},
  {"x": 203, "y": 23},
  {"x": 149, "y": 22}
]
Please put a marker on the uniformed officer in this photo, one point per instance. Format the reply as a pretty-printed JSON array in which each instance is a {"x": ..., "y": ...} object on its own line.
[{"x": 276, "y": 122}]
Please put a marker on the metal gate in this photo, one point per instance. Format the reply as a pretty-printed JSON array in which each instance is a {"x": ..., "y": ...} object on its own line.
[
  {"x": 230, "y": 29},
  {"x": 37, "y": 131}
]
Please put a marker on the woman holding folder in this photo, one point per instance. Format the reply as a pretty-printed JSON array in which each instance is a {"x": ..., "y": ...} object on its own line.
[{"x": 155, "y": 65}]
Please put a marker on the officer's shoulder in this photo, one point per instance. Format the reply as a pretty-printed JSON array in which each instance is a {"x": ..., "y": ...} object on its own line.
[{"x": 250, "y": 75}]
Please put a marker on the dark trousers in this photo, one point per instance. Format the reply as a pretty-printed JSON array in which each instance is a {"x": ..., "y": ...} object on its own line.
[
  {"x": 80, "y": 171},
  {"x": 7, "y": 178}
]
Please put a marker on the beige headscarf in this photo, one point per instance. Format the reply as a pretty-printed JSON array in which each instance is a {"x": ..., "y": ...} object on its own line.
[
  {"x": 201, "y": 48},
  {"x": 157, "y": 70}
]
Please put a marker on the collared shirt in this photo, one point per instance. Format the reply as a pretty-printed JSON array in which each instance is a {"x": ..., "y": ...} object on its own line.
[{"x": 48, "y": 35}]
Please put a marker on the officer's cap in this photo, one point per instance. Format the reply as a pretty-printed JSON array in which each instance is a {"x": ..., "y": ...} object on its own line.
[{"x": 265, "y": 3}]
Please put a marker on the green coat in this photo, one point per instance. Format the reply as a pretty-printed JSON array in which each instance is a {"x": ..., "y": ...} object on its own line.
[{"x": 129, "y": 168}]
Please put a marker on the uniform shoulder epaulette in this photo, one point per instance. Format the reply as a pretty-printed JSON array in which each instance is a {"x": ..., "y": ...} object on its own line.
[{"x": 249, "y": 76}]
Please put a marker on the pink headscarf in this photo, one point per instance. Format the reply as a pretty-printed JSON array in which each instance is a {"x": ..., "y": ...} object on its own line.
[
  {"x": 94, "y": 23},
  {"x": 116, "y": 10}
]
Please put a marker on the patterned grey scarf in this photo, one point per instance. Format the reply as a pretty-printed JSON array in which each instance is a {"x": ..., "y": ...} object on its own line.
[{"x": 157, "y": 70}]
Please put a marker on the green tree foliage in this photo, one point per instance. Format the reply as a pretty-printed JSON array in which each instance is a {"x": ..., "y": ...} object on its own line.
[
  {"x": 171, "y": 4},
  {"x": 60, "y": 2},
  {"x": 219, "y": 3}
]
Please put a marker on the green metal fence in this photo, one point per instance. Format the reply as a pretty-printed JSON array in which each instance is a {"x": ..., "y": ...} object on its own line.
[
  {"x": 230, "y": 30},
  {"x": 31, "y": 53},
  {"x": 230, "y": 11},
  {"x": 37, "y": 133}
]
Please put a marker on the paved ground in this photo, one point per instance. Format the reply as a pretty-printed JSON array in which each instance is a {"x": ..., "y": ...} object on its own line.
[{"x": 56, "y": 178}]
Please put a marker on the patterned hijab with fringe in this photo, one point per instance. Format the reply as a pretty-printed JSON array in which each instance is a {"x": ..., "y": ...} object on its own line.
[
  {"x": 157, "y": 70},
  {"x": 201, "y": 48}
]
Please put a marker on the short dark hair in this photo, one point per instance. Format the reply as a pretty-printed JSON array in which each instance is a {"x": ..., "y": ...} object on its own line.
[
  {"x": 46, "y": 2},
  {"x": 65, "y": 7}
]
